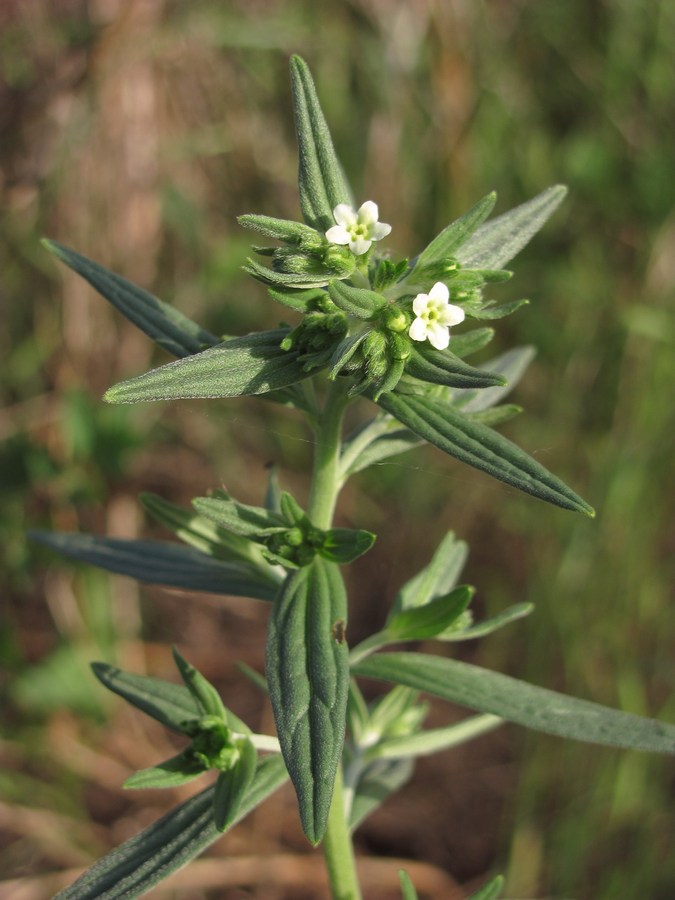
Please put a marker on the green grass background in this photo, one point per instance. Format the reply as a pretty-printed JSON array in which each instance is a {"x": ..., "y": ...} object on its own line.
[{"x": 136, "y": 133}]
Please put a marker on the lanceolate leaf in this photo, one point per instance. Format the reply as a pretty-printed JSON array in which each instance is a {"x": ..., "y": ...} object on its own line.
[
  {"x": 232, "y": 786},
  {"x": 145, "y": 860},
  {"x": 408, "y": 891},
  {"x": 165, "y": 325},
  {"x": 481, "y": 447},
  {"x": 511, "y": 365},
  {"x": 162, "y": 562},
  {"x": 519, "y": 702},
  {"x": 320, "y": 179},
  {"x": 307, "y": 669},
  {"x": 381, "y": 779},
  {"x": 499, "y": 240},
  {"x": 240, "y": 518},
  {"x": 489, "y": 891},
  {"x": 447, "y": 243},
  {"x": 253, "y": 364},
  {"x": 445, "y": 368},
  {"x": 438, "y": 577},
  {"x": 430, "y": 620},
  {"x": 358, "y": 302}
]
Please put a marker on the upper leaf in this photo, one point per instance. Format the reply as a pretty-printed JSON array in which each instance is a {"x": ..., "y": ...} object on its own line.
[
  {"x": 307, "y": 668},
  {"x": 519, "y": 702},
  {"x": 451, "y": 238},
  {"x": 499, "y": 240},
  {"x": 321, "y": 181},
  {"x": 479, "y": 446},
  {"x": 252, "y": 364},
  {"x": 165, "y": 325}
]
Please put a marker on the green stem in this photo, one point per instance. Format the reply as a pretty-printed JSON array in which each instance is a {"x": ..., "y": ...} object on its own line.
[
  {"x": 338, "y": 849},
  {"x": 326, "y": 475}
]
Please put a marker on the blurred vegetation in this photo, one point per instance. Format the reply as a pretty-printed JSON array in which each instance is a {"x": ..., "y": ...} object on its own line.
[{"x": 136, "y": 131}]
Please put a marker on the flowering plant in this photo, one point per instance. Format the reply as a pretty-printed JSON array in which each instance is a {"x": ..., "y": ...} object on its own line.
[{"x": 366, "y": 325}]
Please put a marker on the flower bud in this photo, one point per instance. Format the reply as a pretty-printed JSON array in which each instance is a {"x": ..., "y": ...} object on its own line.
[{"x": 395, "y": 319}]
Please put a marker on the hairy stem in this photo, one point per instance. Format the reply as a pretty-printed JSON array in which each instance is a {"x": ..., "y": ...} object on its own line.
[
  {"x": 325, "y": 476},
  {"x": 338, "y": 849}
]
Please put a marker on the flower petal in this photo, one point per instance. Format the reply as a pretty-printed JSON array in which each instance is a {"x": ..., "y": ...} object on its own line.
[
  {"x": 440, "y": 292},
  {"x": 439, "y": 337},
  {"x": 359, "y": 246},
  {"x": 420, "y": 304},
  {"x": 379, "y": 230},
  {"x": 368, "y": 213},
  {"x": 338, "y": 235},
  {"x": 452, "y": 315},
  {"x": 344, "y": 215},
  {"x": 418, "y": 330}
]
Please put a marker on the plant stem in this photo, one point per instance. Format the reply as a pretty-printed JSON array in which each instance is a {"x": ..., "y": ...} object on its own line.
[
  {"x": 325, "y": 476},
  {"x": 338, "y": 849}
]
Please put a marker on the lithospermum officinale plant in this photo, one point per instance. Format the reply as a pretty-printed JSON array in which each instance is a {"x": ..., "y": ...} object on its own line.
[{"x": 368, "y": 329}]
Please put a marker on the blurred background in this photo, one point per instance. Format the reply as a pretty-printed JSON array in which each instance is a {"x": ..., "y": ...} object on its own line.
[{"x": 136, "y": 131}]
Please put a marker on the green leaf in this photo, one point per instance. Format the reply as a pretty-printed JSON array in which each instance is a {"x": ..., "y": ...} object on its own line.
[
  {"x": 308, "y": 679},
  {"x": 480, "y": 447},
  {"x": 382, "y": 448},
  {"x": 443, "y": 367},
  {"x": 499, "y": 240},
  {"x": 172, "y": 773},
  {"x": 321, "y": 180},
  {"x": 344, "y": 545},
  {"x": 451, "y": 238},
  {"x": 200, "y": 532},
  {"x": 497, "y": 415},
  {"x": 358, "y": 302},
  {"x": 408, "y": 891},
  {"x": 344, "y": 352},
  {"x": 248, "y": 521},
  {"x": 379, "y": 780},
  {"x": 489, "y": 891},
  {"x": 232, "y": 786},
  {"x": 519, "y": 702},
  {"x": 280, "y": 229},
  {"x": 434, "y": 740},
  {"x": 145, "y": 860},
  {"x": 203, "y": 692},
  {"x": 437, "y": 578},
  {"x": 161, "y": 562},
  {"x": 296, "y": 299},
  {"x": 469, "y": 342},
  {"x": 511, "y": 614},
  {"x": 491, "y": 311},
  {"x": 319, "y": 277},
  {"x": 430, "y": 620},
  {"x": 165, "y": 325},
  {"x": 512, "y": 365},
  {"x": 241, "y": 366},
  {"x": 171, "y": 704}
]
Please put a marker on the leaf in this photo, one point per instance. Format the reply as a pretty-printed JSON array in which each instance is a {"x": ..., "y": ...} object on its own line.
[
  {"x": 491, "y": 311},
  {"x": 381, "y": 779},
  {"x": 344, "y": 352},
  {"x": 172, "y": 773},
  {"x": 248, "y": 521},
  {"x": 499, "y": 240},
  {"x": 202, "y": 691},
  {"x": 511, "y": 614},
  {"x": 296, "y": 299},
  {"x": 319, "y": 277},
  {"x": 321, "y": 180},
  {"x": 165, "y": 325},
  {"x": 383, "y": 448},
  {"x": 444, "y": 367},
  {"x": 149, "y": 857},
  {"x": 241, "y": 366},
  {"x": 528, "y": 705},
  {"x": 232, "y": 785},
  {"x": 469, "y": 342},
  {"x": 344, "y": 545},
  {"x": 423, "y": 622},
  {"x": 161, "y": 562},
  {"x": 497, "y": 415},
  {"x": 425, "y": 743},
  {"x": 489, "y": 891},
  {"x": 280, "y": 229},
  {"x": 451, "y": 238},
  {"x": 480, "y": 447},
  {"x": 408, "y": 891},
  {"x": 438, "y": 577},
  {"x": 512, "y": 365},
  {"x": 308, "y": 679},
  {"x": 358, "y": 302}
]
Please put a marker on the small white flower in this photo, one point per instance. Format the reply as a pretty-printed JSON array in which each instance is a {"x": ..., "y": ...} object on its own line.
[
  {"x": 358, "y": 229},
  {"x": 435, "y": 315}
]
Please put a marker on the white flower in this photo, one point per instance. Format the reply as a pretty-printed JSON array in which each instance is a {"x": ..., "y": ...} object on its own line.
[
  {"x": 358, "y": 229},
  {"x": 434, "y": 317}
]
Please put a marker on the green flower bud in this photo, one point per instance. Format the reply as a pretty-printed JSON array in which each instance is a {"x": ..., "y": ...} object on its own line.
[
  {"x": 395, "y": 319},
  {"x": 339, "y": 260},
  {"x": 399, "y": 346},
  {"x": 374, "y": 346}
]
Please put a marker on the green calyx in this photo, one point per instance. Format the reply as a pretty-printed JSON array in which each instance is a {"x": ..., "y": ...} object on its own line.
[{"x": 213, "y": 745}]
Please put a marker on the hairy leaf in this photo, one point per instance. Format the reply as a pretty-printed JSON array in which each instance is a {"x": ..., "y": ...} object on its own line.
[
  {"x": 377, "y": 782},
  {"x": 448, "y": 242},
  {"x": 519, "y": 702},
  {"x": 489, "y": 891},
  {"x": 443, "y": 367},
  {"x": 481, "y": 447},
  {"x": 512, "y": 365},
  {"x": 438, "y": 577},
  {"x": 307, "y": 669},
  {"x": 165, "y": 325},
  {"x": 358, "y": 302}
]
